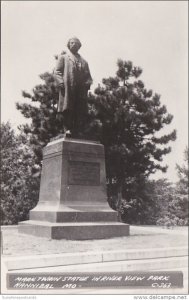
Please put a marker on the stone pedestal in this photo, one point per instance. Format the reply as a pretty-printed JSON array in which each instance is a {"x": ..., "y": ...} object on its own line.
[{"x": 73, "y": 200}]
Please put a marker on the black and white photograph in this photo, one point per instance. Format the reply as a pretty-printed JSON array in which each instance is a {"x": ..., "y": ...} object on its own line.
[{"x": 94, "y": 149}]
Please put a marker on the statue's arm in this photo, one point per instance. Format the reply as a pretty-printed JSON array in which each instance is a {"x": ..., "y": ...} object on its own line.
[{"x": 59, "y": 71}]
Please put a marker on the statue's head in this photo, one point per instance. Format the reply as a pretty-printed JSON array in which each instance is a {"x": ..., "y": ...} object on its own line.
[{"x": 74, "y": 44}]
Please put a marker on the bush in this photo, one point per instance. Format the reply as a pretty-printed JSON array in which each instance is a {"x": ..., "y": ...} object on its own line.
[{"x": 19, "y": 189}]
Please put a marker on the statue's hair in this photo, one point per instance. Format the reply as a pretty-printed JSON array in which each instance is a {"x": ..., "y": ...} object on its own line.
[{"x": 76, "y": 39}]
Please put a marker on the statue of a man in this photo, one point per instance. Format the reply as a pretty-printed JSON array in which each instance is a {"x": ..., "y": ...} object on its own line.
[{"x": 74, "y": 80}]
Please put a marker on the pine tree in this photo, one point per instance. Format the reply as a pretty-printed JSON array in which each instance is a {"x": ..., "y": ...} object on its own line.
[{"x": 127, "y": 118}]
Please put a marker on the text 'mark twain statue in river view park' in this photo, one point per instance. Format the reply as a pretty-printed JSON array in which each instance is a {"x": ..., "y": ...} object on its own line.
[
  {"x": 73, "y": 199},
  {"x": 74, "y": 79}
]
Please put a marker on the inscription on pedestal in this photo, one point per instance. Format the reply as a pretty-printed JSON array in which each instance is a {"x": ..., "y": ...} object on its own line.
[{"x": 84, "y": 173}]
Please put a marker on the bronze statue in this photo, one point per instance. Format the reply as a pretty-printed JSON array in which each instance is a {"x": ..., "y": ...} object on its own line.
[{"x": 74, "y": 80}]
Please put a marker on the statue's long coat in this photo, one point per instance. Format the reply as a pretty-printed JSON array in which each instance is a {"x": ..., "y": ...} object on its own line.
[{"x": 76, "y": 81}]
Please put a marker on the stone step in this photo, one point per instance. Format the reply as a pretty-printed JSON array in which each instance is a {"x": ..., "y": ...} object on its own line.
[
  {"x": 117, "y": 266},
  {"x": 131, "y": 265},
  {"x": 96, "y": 258},
  {"x": 74, "y": 230}
]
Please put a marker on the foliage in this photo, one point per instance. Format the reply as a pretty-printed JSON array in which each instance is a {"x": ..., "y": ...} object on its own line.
[
  {"x": 176, "y": 212},
  {"x": 150, "y": 202},
  {"x": 19, "y": 190},
  {"x": 42, "y": 112},
  {"x": 182, "y": 190}
]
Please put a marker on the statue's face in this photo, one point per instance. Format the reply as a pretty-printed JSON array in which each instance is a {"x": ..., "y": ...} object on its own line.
[{"x": 74, "y": 46}]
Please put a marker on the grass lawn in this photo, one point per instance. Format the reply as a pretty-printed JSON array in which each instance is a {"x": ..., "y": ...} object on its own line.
[{"x": 16, "y": 244}]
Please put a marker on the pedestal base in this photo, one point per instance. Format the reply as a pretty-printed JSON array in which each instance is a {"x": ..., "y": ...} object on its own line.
[
  {"x": 73, "y": 200},
  {"x": 75, "y": 231}
]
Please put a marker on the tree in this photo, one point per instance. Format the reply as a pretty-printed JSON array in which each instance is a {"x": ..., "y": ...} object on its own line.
[
  {"x": 182, "y": 189},
  {"x": 42, "y": 112},
  {"x": 176, "y": 212},
  {"x": 183, "y": 174},
  {"x": 162, "y": 193},
  {"x": 124, "y": 116},
  {"x": 19, "y": 190},
  {"x": 181, "y": 198}
]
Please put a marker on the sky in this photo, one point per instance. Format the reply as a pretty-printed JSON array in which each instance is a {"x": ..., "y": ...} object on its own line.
[{"x": 152, "y": 34}]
